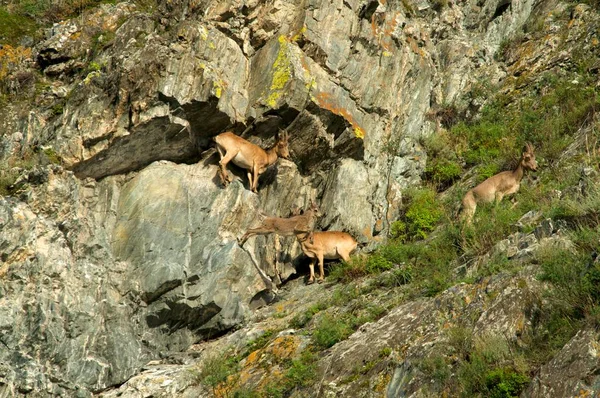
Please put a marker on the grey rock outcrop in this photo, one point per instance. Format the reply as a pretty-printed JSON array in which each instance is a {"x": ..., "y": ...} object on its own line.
[
  {"x": 577, "y": 363},
  {"x": 130, "y": 252}
]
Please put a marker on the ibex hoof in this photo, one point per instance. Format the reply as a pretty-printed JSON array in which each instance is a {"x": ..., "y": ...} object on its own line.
[
  {"x": 310, "y": 282},
  {"x": 320, "y": 280}
]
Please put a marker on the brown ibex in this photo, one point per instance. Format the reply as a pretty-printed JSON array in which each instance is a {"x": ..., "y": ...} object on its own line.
[
  {"x": 286, "y": 226},
  {"x": 248, "y": 156},
  {"x": 329, "y": 245},
  {"x": 499, "y": 185}
]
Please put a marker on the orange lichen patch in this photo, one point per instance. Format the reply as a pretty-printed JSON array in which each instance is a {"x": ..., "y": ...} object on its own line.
[
  {"x": 224, "y": 390},
  {"x": 11, "y": 58},
  {"x": 284, "y": 347},
  {"x": 253, "y": 357},
  {"x": 326, "y": 101},
  {"x": 595, "y": 42},
  {"x": 584, "y": 393},
  {"x": 366, "y": 232},
  {"x": 262, "y": 366},
  {"x": 383, "y": 33}
]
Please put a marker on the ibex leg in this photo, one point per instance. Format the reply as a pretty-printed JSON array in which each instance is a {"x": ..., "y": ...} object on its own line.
[
  {"x": 277, "y": 250},
  {"x": 225, "y": 158},
  {"x": 321, "y": 271},
  {"x": 311, "y": 278}
]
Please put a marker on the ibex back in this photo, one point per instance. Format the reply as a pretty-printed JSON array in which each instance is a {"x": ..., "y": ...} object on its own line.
[
  {"x": 322, "y": 245},
  {"x": 499, "y": 185},
  {"x": 286, "y": 226},
  {"x": 248, "y": 156}
]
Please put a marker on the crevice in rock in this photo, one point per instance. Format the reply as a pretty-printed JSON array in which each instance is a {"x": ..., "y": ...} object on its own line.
[
  {"x": 367, "y": 10},
  {"x": 49, "y": 57},
  {"x": 161, "y": 138},
  {"x": 182, "y": 314},
  {"x": 501, "y": 8},
  {"x": 90, "y": 142},
  {"x": 150, "y": 297},
  {"x": 376, "y": 110},
  {"x": 229, "y": 33},
  {"x": 321, "y": 138},
  {"x": 157, "y": 139},
  {"x": 205, "y": 119},
  {"x": 261, "y": 299}
]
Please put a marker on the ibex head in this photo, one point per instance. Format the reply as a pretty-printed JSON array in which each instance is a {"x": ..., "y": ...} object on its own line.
[
  {"x": 315, "y": 209},
  {"x": 528, "y": 158},
  {"x": 281, "y": 146}
]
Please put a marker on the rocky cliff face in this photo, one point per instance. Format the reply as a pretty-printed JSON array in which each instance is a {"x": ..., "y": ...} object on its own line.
[{"x": 126, "y": 251}]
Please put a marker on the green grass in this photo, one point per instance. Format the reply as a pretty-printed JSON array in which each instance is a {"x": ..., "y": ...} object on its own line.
[
  {"x": 546, "y": 113},
  {"x": 14, "y": 26},
  {"x": 476, "y": 367},
  {"x": 216, "y": 371}
]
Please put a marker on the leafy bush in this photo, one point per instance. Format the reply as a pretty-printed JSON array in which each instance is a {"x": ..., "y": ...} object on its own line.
[
  {"x": 422, "y": 214},
  {"x": 505, "y": 383},
  {"x": 398, "y": 230},
  {"x": 443, "y": 172}
]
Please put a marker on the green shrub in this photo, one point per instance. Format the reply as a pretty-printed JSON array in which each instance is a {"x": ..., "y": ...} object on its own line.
[
  {"x": 377, "y": 263},
  {"x": 216, "y": 370},
  {"x": 397, "y": 277},
  {"x": 398, "y": 230},
  {"x": 505, "y": 383},
  {"x": 443, "y": 166},
  {"x": 330, "y": 330},
  {"x": 437, "y": 369},
  {"x": 302, "y": 372},
  {"x": 422, "y": 214},
  {"x": 246, "y": 393},
  {"x": 570, "y": 276}
]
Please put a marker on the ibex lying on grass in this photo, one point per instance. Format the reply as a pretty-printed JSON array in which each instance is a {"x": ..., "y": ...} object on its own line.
[
  {"x": 498, "y": 186},
  {"x": 248, "y": 156},
  {"x": 329, "y": 245},
  {"x": 286, "y": 226}
]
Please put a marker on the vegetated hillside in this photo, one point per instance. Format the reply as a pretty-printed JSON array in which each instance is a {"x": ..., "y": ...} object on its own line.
[{"x": 121, "y": 272}]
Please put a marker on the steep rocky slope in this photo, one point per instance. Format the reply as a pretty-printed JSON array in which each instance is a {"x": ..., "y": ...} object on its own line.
[{"x": 121, "y": 272}]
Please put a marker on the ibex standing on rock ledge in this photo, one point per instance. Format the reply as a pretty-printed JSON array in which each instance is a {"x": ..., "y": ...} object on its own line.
[
  {"x": 498, "y": 186},
  {"x": 329, "y": 245},
  {"x": 286, "y": 226},
  {"x": 248, "y": 156}
]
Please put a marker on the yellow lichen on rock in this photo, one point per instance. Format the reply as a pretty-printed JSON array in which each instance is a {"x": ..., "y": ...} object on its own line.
[
  {"x": 282, "y": 72},
  {"x": 359, "y": 133},
  {"x": 218, "y": 88}
]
